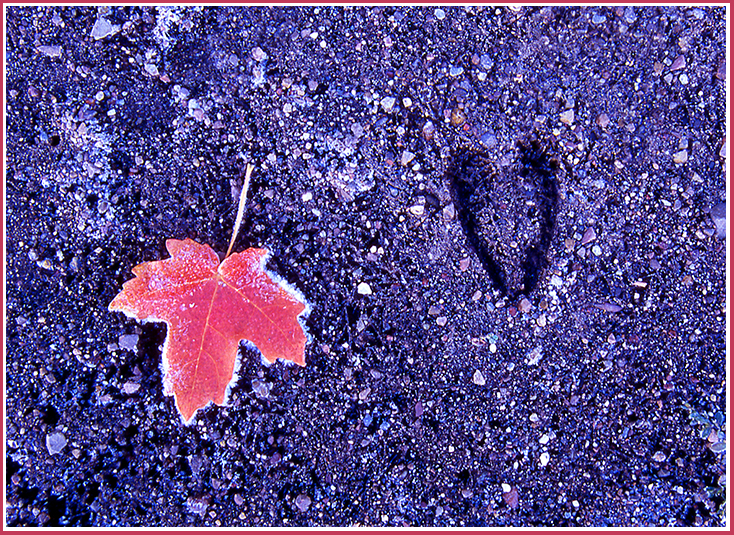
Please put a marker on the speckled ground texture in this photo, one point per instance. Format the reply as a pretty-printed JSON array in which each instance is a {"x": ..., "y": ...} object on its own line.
[{"x": 426, "y": 153}]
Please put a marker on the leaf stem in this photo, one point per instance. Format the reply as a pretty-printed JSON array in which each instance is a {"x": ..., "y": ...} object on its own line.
[{"x": 241, "y": 208}]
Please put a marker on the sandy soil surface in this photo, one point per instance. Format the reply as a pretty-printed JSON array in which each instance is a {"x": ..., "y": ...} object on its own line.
[{"x": 535, "y": 198}]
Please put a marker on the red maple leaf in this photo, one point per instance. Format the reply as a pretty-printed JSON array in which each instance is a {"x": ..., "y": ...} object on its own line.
[{"x": 209, "y": 307}]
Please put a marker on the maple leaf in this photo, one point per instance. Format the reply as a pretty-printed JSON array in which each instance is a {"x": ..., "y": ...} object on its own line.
[{"x": 209, "y": 307}]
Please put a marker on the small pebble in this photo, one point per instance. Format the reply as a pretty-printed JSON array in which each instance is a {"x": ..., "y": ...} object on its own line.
[
  {"x": 603, "y": 120},
  {"x": 417, "y": 210},
  {"x": 718, "y": 216},
  {"x": 151, "y": 69},
  {"x": 678, "y": 64},
  {"x": 544, "y": 458},
  {"x": 102, "y": 28},
  {"x": 525, "y": 305},
  {"x": 55, "y": 442},
  {"x": 608, "y": 307},
  {"x": 464, "y": 263},
  {"x": 439, "y": 13},
  {"x": 721, "y": 70},
  {"x": 458, "y": 117},
  {"x": 364, "y": 289},
  {"x": 567, "y": 117},
  {"x": 53, "y": 51},
  {"x": 258, "y": 54},
  {"x": 406, "y": 158},
  {"x": 45, "y": 264},
  {"x": 130, "y": 387},
  {"x": 456, "y": 71},
  {"x": 303, "y": 502},
  {"x": 659, "y": 456},
  {"x": 478, "y": 378},
  {"x": 428, "y": 130},
  {"x": 449, "y": 212},
  {"x": 387, "y": 104},
  {"x": 589, "y": 236},
  {"x": 129, "y": 341},
  {"x": 511, "y": 498},
  {"x": 357, "y": 130},
  {"x": 441, "y": 321},
  {"x": 680, "y": 157}
]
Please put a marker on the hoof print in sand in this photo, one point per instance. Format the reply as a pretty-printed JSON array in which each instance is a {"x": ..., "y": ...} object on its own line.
[{"x": 509, "y": 216}]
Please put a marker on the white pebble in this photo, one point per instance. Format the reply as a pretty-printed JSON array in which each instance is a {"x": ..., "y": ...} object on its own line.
[
  {"x": 364, "y": 289},
  {"x": 567, "y": 117},
  {"x": 680, "y": 156},
  {"x": 303, "y": 502},
  {"x": 130, "y": 387},
  {"x": 417, "y": 210},
  {"x": 102, "y": 28},
  {"x": 53, "y": 51},
  {"x": 478, "y": 378},
  {"x": 406, "y": 158},
  {"x": 506, "y": 488},
  {"x": 544, "y": 458},
  {"x": 128, "y": 341},
  {"x": 258, "y": 54},
  {"x": 55, "y": 442},
  {"x": 387, "y": 103},
  {"x": 307, "y": 196}
]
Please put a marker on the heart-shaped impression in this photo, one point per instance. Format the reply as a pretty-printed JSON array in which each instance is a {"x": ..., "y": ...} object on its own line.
[{"x": 508, "y": 217}]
